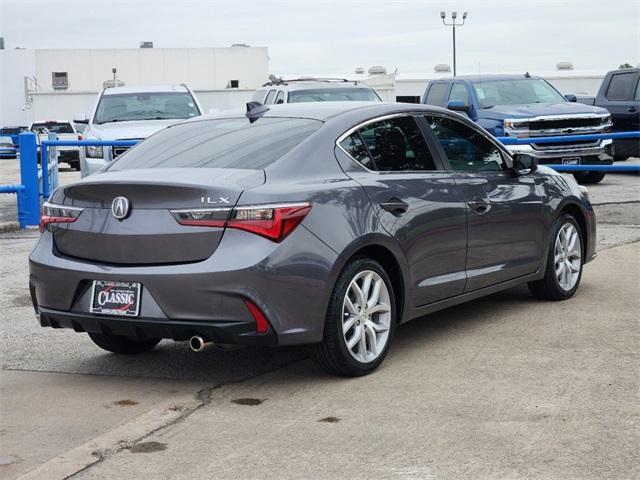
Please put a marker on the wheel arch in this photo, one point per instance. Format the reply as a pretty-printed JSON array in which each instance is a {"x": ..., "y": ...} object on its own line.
[
  {"x": 390, "y": 256},
  {"x": 576, "y": 212}
]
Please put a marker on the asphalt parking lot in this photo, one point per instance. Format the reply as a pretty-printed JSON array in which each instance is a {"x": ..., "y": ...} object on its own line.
[{"x": 503, "y": 387}]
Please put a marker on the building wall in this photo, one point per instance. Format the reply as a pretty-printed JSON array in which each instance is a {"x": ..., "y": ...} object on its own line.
[{"x": 206, "y": 70}]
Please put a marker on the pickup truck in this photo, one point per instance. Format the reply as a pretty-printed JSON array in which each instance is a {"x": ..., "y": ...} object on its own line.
[
  {"x": 64, "y": 131},
  {"x": 619, "y": 93},
  {"x": 528, "y": 106}
]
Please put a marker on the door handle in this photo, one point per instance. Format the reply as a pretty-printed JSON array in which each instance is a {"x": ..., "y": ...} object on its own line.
[
  {"x": 631, "y": 109},
  {"x": 479, "y": 206},
  {"x": 395, "y": 206}
]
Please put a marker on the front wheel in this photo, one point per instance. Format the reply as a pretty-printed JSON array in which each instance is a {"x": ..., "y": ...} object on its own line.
[
  {"x": 122, "y": 344},
  {"x": 564, "y": 263},
  {"x": 360, "y": 321},
  {"x": 588, "y": 178}
]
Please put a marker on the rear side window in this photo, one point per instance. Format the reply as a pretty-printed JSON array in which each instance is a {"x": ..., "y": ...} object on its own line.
[
  {"x": 465, "y": 148},
  {"x": 354, "y": 146},
  {"x": 280, "y": 97},
  {"x": 436, "y": 94},
  {"x": 621, "y": 86},
  {"x": 269, "y": 99},
  {"x": 54, "y": 127},
  {"x": 225, "y": 143},
  {"x": 396, "y": 144}
]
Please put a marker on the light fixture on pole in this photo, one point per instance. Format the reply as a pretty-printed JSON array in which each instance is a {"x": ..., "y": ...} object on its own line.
[{"x": 454, "y": 16}]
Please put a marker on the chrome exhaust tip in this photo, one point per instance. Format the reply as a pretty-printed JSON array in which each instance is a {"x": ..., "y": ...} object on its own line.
[{"x": 197, "y": 343}]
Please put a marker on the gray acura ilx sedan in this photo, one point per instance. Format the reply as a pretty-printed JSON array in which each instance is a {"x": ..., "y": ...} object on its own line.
[{"x": 321, "y": 224}]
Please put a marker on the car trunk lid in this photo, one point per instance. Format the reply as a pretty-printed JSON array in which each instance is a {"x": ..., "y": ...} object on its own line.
[{"x": 148, "y": 233}]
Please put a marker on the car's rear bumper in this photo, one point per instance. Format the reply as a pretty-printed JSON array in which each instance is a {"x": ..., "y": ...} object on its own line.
[
  {"x": 199, "y": 297},
  {"x": 231, "y": 332}
]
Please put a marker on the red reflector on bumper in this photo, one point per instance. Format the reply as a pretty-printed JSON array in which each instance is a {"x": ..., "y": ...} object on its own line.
[{"x": 262, "y": 325}]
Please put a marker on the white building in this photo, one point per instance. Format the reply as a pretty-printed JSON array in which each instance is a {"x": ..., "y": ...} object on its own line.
[{"x": 41, "y": 84}]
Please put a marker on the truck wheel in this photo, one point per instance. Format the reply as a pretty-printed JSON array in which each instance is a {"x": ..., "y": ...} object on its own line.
[
  {"x": 121, "y": 344},
  {"x": 589, "y": 178}
]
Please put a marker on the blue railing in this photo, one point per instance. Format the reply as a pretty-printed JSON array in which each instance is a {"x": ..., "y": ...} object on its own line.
[{"x": 579, "y": 138}]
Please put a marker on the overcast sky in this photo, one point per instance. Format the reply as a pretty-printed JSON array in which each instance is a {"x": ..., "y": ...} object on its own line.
[{"x": 330, "y": 37}]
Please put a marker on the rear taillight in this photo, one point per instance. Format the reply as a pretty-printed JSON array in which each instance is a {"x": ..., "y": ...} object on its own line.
[
  {"x": 52, "y": 214},
  {"x": 274, "y": 222}
]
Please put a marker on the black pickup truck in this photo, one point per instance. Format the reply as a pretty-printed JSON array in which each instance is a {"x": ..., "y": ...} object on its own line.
[{"x": 620, "y": 94}]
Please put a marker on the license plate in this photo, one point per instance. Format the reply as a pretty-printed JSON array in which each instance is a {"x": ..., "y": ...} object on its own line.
[
  {"x": 571, "y": 161},
  {"x": 115, "y": 298}
]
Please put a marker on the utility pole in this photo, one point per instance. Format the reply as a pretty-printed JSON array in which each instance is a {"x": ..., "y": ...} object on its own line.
[{"x": 454, "y": 16}]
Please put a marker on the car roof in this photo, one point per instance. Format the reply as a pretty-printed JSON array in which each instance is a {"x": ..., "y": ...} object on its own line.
[
  {"x": 146, "y": 89},
  {"x": 486, "y": 78},
  {"x": 324, "y": 110},
  {"x": 304, "y": 84}
]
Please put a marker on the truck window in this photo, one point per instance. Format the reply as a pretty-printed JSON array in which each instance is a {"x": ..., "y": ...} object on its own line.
[
  {"x": 621, "y": 86},
  {"x": 436, "y": 93},
  {"x": 459, "y": 93},
  {"x": 269, "y": 99},
  {"x": 637, "y": 95}
]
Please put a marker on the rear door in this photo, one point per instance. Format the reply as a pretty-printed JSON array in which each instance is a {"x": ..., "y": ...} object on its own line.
[
  {"x": 619, "y": 100},
  {"x": 416, "y": 201},
  {"x": 505, "y": 212}
]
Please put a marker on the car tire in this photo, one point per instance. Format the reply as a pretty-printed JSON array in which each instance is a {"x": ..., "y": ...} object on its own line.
[
  {"x": 589, "y": 178},
  {"x": 566, "y": 257},
  {"x": 371, "y": 327},
  {"x": 122, "y": 344}
]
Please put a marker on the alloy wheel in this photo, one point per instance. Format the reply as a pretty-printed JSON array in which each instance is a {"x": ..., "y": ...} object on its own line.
[
  {"x": 568, "y": 256},
  {"x": 366, "y": 316}
]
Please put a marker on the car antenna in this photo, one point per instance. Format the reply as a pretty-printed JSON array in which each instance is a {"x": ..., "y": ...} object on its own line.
[
  {"x": 526, "y": 75},
  {"x": 255, "y": 110}
]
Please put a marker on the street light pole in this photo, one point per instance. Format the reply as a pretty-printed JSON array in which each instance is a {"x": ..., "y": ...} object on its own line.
[{"x": 454, "y": 16}]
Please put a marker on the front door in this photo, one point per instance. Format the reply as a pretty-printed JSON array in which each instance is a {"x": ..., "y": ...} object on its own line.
[
  {"x": 505, "y": 212},
  {"x": 417, "y": 202}
]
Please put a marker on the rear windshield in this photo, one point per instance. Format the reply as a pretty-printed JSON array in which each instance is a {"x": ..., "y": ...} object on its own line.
[
  {"x": 333, "y": 95},
  {"x": 53, "y": 127},
  {"x": 228, "y": 143}
]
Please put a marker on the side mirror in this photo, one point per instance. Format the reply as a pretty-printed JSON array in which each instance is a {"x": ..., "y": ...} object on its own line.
[
  {"x": 280, "y": 102},
  {"x": 524, "y": 164},
  {"x": 571, "y": 98},
  {"x": 81, "y": 118},
  {"x": 458, "y": 106}
]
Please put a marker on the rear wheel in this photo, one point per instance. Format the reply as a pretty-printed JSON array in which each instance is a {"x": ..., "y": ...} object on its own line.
[
  {"x": 589, "y": 178},
  {"x": 360, "y": 321},
  {"x": 564, "y": 263},
  {"x": 122, "y": 344}
]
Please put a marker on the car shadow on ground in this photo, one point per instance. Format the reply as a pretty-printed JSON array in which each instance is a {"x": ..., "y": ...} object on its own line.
[{"x": 174, "y": 360}]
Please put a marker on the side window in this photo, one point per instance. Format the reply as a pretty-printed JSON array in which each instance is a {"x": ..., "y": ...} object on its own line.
[
  {"x": 466, "y": 149},
  {"x": 355, "y": 147},
  {"x": 637, "y": 95},
  {"x": 436, "y": 93},
  {"x": 621, "y": 86},
  {"x": 280, "y": 97},
  {"x": 269, "y": 99},
  {"x": 397, "y": 144},
  {"x": 459, "y": 92}
]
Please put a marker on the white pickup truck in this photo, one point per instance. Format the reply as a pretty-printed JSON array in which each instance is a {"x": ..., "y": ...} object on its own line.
[
  {"x": 132, "y": 113},
  {"x": 65, "y": 130}
]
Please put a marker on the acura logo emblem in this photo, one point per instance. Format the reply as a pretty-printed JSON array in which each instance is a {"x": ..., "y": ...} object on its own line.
[{"x": 120, "y": 207}]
